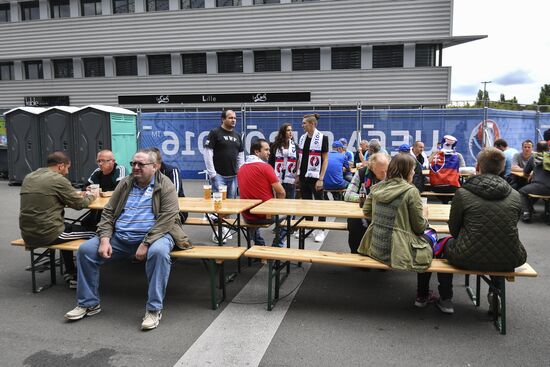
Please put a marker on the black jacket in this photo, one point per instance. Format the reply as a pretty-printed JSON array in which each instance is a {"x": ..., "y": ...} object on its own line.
[{"x": 483, "y": 220}]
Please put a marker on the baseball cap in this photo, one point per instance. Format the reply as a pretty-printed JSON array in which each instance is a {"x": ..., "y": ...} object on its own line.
[
  {"x": 337, "y": 144},
  {"x": 344, "y": 141},
  {"x": 404, "y": 148}
]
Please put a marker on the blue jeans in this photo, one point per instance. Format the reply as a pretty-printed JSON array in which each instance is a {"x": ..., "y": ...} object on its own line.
[
  {"x": 229, "y": 181},
  {"x": 256, "y": 236},
  {"x": 290, "y": 190},
  {"x": 157, "y": 268}
]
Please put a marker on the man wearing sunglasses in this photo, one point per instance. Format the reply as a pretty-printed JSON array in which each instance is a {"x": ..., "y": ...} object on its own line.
[
  {"x": 140, "y": 220},
  {"x": 108, "y": 173}
]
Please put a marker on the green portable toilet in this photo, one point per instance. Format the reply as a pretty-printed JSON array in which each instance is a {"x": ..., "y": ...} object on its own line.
[{"x": 99, "y": 127}]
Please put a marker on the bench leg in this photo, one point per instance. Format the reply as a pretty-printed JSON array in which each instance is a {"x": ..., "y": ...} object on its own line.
[
  {"x": 217, "y": 281},
  {"x": 35, "y": 259},
  {"x": 270, "y": 301},
  {"x": 497, "y": 285}
]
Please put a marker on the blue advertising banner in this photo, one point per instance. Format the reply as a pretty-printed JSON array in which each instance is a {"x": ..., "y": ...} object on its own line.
[{"x": 180, "y": 136}]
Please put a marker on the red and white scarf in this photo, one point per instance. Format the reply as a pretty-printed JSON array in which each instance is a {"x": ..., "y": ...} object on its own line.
[
  {"x": 314, "y": 161},
  {"x": 288, "y": 167}
]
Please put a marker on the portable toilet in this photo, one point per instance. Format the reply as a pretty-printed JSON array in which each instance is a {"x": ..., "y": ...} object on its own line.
[
  {"x": 98, "y": 127},
  {"x": 56, "y": 134},
  {"x": 22, "y": 129}
]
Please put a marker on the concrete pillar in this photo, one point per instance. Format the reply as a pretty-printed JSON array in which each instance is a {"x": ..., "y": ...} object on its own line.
[
  {"x": 211, "y": 63},
  {"x": 326, "y": 58},
  {"x": 142, "y": 65},
  {"x": 248, "y": 61},
  {"x": 286, "y": 59},
  {"x": 366, "y": 57},
  {"x": 44, "y": 9},
  {"x": 177, "y": 68},
  {"x": 409, "y": 55},
  {"x": 110, "y": 67}
]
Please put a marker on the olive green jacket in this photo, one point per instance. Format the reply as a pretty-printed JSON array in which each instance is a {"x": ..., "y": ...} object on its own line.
[
  {"x": 44, "y": 196},
  {"x": 165, "y": 209},
  {"x": 397, "y": 222}
]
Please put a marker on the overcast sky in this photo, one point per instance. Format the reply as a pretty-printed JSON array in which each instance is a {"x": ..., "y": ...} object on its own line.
[{"x": 515, "y": 56}]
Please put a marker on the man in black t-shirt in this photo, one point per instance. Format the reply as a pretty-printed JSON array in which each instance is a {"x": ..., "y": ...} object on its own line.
[
  {"x": 313, "y": 162},
  {"x": 224, "y": 154}
]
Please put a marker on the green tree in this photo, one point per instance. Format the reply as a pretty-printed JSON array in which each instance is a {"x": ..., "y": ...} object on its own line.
[{"x": 544, "y": 97}]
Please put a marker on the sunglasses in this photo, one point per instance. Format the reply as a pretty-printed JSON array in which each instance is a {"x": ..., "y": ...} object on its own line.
[{"x": 139, "y": 164}]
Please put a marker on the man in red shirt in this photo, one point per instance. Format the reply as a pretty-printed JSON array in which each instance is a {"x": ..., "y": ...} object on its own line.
[{"x": 257, "y": 180}]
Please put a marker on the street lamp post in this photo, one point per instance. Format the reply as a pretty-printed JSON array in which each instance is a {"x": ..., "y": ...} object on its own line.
[{"x": 485, "y": 100}]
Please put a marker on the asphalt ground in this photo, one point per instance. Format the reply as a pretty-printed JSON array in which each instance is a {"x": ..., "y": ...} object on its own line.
[{"x": 331, "y": 316}]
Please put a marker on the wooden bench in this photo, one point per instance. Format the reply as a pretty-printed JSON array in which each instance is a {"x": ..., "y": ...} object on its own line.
[
  {"x": 306, "y": 227},
  {"x": 213, "y": 256},
  {"x": 337, "y": 194},
  {"x": 495, "y": 280},
  {"x": 441, "y": 228},
  {"x": 431, "y": 193}
]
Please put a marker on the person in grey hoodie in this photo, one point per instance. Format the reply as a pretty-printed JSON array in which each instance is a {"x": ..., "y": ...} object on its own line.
[{"x": 540, "y": 182}]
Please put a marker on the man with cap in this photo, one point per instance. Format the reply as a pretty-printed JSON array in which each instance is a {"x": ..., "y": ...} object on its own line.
[
  {"x": 418, "y": 178},
  {"x": 337, "y": 165},
  {"x": 349, "y": 157}
]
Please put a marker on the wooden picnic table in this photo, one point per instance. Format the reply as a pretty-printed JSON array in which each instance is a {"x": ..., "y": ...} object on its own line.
[{"x": 518, "y": 173}]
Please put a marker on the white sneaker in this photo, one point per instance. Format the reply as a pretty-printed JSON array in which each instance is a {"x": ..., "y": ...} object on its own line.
[
  {"x": 225, "y": 234},
  {"x": 215, "y": 239},
  {"x": 151, "y": 320},
  {"x": 297, "y": 234},
  {"x": 320, "y": 236},
  {"x": 78, "y": 312}
]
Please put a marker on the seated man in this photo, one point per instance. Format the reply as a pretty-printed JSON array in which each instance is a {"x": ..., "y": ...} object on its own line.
[
  {"x": 109, "y": 172},
  {"x": 173, "y": 174},
  {"x": 519, "y": 161},
  {"x": 44, "y": 195},
  {"x": 418, "y": 152},
  {"x": 141, "y": 219},
  {"x": 336, "y": 168},
  {"x": 483, "y": 223},
  {"x": 373, "y": 172},
  {"x": 257, "y": 180},
  {"x": 540, "y": 181},
  {"x": 509, "y": 153},
  {"x": 107, "y": 176}
]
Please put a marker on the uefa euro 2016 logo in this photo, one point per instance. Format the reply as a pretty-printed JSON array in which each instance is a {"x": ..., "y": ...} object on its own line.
[{"x": 475, "y": 143}]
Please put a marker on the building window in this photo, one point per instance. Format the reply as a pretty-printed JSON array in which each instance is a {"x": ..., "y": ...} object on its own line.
[
  {"x": 5, "y": 13},
  {"x": 123, "y": 6},
  {"x": 192, "y": 4},
  {"x": 33, "y": 69},
  {"x": 30, "y": 10},
  {"x": 387, "y": 56},
  {"x": 306, "y": 59},
  {"x": 94, "y": 67},
  {"x": 126, "y": 65},
  {"x": 60, "y": 9},
  {"x": 158, "y": 5},
  {"x": 63, "y": 68},
  {"x": 223, "y": 3},
  {"x": 90, "y": 7},
  {"x": 346, "y": 57},
  {"x": 262, "y": 2},
  {"x": 6, "y": 70},
  {"x": 230, "y": 62},
  {"x": 160, "y": 64},
  {"x": 194, "y": 63},
  {"x": 304, "y": 1},
  {"x": 425, "y": 55},
  {"x": 267, "y": 60}
]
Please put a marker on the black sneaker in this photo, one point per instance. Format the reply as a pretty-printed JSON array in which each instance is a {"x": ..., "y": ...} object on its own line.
[{"x": 526, "y": 217}]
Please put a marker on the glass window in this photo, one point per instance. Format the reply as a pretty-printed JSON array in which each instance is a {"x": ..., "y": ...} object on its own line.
[
  {"x": 5, "y": 13},
  {"x": 194, "y": 63},
  {"x": 230, "y": 62},
  {"x": 33, "y": 69},
  {"x": 304, "y": 1},
  {"x": 123, "y": 6},
  {"x": 191, "y": 4},
  {"x": 6, "y": 70},
  {"x": 261, "y": 2},
  {"x": 94, "y": 67},
  {"x": 267, "y": 60},
  {"x": 158, "y": 5},
  {"x": 63, "y": 68},
  {"x": 30, "y": 10},
  {"x": 306, "y": 59},
  {"x": 90, "y": 7},
  {"x": 126, "y": 65},
  {"x": 60, "y": 9},
  {"x": 160, "y": 64},
  {"x": 387, "y": 56},
  {"x": 346, "y": 57},
  {"x": 425, "y": 55},
  {"x": 222, "y": 3}
]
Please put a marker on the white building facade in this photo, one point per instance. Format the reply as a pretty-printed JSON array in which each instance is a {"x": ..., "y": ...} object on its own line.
[{"x": 186, "y": 54}]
